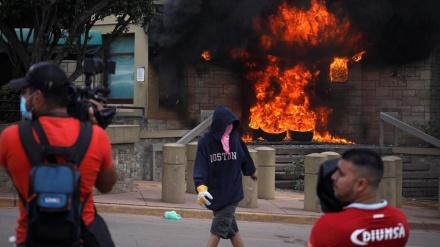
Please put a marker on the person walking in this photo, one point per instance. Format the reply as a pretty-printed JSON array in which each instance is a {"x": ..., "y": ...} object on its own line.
[
  {"x": 366, "y": 220},
  {"x": 222, "y": 159},
  {"x": 44, "y": 99}
]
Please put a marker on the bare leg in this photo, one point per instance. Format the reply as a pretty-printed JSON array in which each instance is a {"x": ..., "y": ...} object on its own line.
[
  {"x": 213, "y": 241},
  {"x": 237, "y": 241}
]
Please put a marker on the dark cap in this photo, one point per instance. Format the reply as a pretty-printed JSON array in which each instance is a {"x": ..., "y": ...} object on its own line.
[{"x": 45, "y": 76}]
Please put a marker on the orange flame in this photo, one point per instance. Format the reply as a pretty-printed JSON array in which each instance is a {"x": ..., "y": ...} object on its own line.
[
  {"x": 206, "y": 55},
  {"x": 282, "y": 103},
  {"x": 309, "y": 28},
  {"x": 282, "y": 96},
  {"x": 339, "y": 67}
]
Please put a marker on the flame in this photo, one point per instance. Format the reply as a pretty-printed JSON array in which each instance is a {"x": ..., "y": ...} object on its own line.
[
  {"x": 339, "y": 70},
  {"x": 206, "y": 55},
  {"x": 305, "y": 29},
  {"x": 339, "y": 67},
  {"x": 247, "y": 138},
  {"x": 283, "y": 92},
  {"x": 282, "y": 101},
  {"x": 327, "y": 137}
]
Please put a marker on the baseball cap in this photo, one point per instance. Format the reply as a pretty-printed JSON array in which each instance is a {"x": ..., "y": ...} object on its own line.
[{"x": 45, "y": 76}]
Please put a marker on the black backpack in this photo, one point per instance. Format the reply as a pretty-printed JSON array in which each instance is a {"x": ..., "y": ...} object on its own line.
[
  {"x": 53, "y": 204},
  {"x": 324, "y": 189}
]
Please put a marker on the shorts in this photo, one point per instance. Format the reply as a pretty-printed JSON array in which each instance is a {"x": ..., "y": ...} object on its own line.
[{"x": 224, "y": 224}]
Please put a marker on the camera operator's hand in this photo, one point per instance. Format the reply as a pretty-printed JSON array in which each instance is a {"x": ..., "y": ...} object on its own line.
[{"x": 99, "y": 106}]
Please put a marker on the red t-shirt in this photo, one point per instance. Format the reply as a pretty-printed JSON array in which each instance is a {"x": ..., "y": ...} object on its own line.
[
  {"x": 60, "y": 131},
  {"x": 361, "y": 225}
]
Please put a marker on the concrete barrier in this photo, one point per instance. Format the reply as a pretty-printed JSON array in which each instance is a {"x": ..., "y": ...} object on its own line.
[
  {"x": 399, "y": 178},
  {"x": 387, "y": 187},
  {"x": 331, "y": 155},
  {"x": 191, "y": 151},
  {"x": 312, "y": 162},
  {"x": 250, "y": 187},
  {"x": 173, "y": 173},
  {"x": 266, "y": 173}
]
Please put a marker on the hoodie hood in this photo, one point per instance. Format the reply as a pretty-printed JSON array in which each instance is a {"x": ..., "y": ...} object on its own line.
[{"x": 221, "y": 118}]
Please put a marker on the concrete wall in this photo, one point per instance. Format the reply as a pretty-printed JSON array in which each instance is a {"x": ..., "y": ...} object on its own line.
[{"x": 411, "y": 90}]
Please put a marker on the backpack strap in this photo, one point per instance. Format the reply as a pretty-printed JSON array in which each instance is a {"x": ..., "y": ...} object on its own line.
[
  {"x": 28, "y": 142},
  {"x": 36, "y": 151}
]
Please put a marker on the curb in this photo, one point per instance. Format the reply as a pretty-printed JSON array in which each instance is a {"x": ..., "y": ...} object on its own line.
[{"x": 206, "y": 214}]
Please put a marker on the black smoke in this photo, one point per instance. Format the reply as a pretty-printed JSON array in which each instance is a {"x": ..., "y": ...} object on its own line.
[{"x": 395, "y": 31}]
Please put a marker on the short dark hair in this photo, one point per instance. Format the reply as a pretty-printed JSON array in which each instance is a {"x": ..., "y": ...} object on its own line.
[
  {"x": 368, "y": 161},
  {"x": 60, "y": 100}
]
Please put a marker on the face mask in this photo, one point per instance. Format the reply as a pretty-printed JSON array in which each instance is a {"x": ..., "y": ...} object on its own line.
[{"x": 23, "y": 109}]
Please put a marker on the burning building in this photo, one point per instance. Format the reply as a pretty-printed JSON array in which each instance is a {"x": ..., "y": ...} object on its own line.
[{"x": 325, "y": 69}]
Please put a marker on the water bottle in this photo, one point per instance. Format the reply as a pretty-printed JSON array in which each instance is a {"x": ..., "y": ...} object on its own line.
[
  {"x": 12, "y": 241},
  {"x": 172, "y": 215}
]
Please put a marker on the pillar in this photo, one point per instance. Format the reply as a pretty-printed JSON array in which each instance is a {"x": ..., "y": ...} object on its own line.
[
  {"x": 266, "y": 173},
  {"x": 399, "y": 179},
  {"x": 191, "y": 151},
  {"x": 312, "y": 162},
  {"x": 331, "y": 155},
  {"x": 387, "y": 187},
  {"x": 250, "y": 187},
  {"x": 173, "y": 173}
]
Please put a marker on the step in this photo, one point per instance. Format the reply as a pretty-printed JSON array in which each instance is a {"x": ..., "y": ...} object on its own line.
[
  {"x": 420, "y": 192},
  {"x": 415, "y": 167},
  {"x": 288, "y": 158},
  {"x": 420, "y": 183},
  {"x": 285, "y": 184},
  {"x": 420, "y": 175},
  {"x": 284, "y": 176}
]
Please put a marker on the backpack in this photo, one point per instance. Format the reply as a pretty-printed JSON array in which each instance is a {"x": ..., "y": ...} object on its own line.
[
  {"x": 324, "y": 188},
  {"x": 53, "y": 204}
]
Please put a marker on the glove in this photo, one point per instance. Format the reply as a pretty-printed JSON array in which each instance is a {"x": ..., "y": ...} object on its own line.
[{"x": 203, "y": 194}]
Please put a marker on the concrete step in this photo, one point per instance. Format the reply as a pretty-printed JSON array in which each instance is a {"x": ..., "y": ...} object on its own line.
[
  {"x": 420, "y": 175},
  {"x": 420, "y": 183},
  {"x": 415, "y": 167},
  {"x": 288, "y": 158},
  {"x": 420, "y": 193},
  {"x": 285, "y": 184}
]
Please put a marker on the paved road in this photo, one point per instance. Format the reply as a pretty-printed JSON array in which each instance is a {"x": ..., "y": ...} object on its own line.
[{"x": 136, "y": 230}]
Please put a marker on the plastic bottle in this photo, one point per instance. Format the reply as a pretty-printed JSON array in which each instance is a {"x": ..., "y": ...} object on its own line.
[
  {"x": 12, "y": 241},
  {"x": 172, "y": 215}
]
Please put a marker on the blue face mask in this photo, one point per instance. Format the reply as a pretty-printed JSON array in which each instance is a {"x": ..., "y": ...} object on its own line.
[{"x": 23, "y": 109}]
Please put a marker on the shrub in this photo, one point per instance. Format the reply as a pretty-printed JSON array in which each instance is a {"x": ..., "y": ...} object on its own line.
[
  {"x": 297, "y": 168},
  {"x": 9, "y": 105}
]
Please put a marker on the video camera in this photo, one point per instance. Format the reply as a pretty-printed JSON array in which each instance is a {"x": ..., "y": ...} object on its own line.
[{"x": 79, "y": 103}]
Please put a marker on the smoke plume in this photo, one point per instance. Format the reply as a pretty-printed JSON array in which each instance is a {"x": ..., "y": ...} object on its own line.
[{"x": 394, "y": 31}]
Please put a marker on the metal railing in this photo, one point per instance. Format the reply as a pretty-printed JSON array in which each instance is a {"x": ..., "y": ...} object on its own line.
[
  {"x": 206, "y": 117},
  {"x": 391, "y": 118}
]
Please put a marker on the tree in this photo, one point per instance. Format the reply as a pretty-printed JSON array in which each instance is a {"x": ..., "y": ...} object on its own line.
[{"x": 48, "y": 21}]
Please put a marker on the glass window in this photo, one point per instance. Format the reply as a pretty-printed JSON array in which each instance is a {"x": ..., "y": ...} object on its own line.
[{"x": 121, "y": 83}]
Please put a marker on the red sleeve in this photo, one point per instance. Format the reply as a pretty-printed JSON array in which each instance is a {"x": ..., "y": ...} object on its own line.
[{"x": 4, "y": 140}]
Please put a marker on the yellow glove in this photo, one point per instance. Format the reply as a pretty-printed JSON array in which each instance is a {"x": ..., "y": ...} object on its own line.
[{"x": 203, "y": 194}]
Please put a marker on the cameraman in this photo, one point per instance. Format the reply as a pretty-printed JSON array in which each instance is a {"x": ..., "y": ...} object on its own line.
[{"x": 44, "y": 96}]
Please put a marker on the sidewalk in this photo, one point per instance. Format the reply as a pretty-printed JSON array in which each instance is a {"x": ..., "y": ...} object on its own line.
[{"x": 288, "y": 207}]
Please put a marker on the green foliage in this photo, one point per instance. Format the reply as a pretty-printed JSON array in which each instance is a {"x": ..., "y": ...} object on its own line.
[
  {"x": 51, "y": 20},
  {"x": 9, "y": 105},
  {"x": 297, "y": 168}
]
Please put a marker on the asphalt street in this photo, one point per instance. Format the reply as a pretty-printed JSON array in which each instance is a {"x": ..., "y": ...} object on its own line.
[{"x": 137, "y": 230}]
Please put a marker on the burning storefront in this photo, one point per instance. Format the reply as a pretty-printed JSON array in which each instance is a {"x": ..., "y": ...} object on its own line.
[{"x": 320, "y": 70}]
